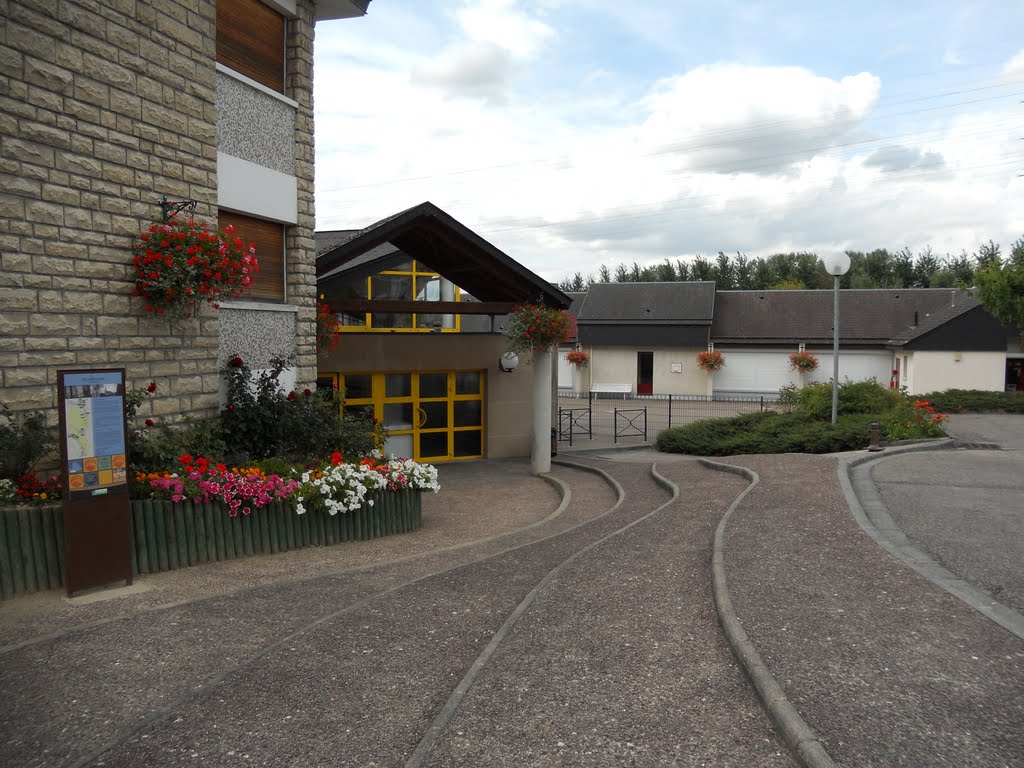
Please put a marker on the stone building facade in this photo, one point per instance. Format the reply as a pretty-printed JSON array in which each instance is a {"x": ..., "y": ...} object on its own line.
[{"x": 106, "y": 106}]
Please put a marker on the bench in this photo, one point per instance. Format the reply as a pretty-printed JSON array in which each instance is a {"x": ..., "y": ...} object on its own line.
[{"x": 612, "y": 389}]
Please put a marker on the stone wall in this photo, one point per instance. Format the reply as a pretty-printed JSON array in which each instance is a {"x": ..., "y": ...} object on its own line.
[
  {"x": 299, "y": 242},
  {"x": 104, "y": 107}
]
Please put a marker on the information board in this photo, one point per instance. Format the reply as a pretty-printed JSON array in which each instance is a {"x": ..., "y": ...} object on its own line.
[
  {"x": 95, "y": 431},
  {"x": 97, "y": 508}
]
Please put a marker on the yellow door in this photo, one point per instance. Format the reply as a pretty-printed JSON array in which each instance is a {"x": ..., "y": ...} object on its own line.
[{"x": 432, "y": 416}]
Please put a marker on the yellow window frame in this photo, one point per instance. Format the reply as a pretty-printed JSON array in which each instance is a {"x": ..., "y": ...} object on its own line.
[{"x": 414, "y": 272}]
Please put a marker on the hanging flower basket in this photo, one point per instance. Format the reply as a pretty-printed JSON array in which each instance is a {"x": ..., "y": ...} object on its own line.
[
  {"x": 536, "y": 328},
  {"x": 327, "y": 332},
  {"x": 578, "y": 357},
  {"x": 803, "y": 361},
  {"x": 710, "y": 361},
  {"x": 180, "y": 263}
]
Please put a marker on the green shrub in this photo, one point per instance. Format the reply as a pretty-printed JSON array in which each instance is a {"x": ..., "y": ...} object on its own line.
[
  {"x": 261, "y": 421},
  {"x": 24, "y": 440},
  {"x": 854, "y": 397},
  {"x": 156, "y": 448},
  {"x": 976, "y": 401},
  {"x": 766, "y": 433}
]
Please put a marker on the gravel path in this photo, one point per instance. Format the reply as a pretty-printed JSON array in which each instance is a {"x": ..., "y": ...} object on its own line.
[
  {"x": 620, "y": 660},
  {"x": 885, "y": 667}
]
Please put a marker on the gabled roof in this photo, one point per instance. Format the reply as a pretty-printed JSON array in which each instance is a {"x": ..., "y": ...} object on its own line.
[
  {"x": 680, "y": 303},
  {"x": 868, "y": 316},
  {"x": 432, "y": 237},
  {"x": 929, "y": 322}
]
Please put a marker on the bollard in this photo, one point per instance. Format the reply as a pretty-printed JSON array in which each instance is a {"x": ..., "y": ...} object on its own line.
[{"x": 876, "y": 436}]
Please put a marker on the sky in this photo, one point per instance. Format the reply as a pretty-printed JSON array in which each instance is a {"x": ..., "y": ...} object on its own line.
[{"x": 576, "y": 133}]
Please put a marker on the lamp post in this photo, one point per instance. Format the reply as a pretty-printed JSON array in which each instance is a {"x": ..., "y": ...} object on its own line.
[{"x": 836, "y": 264}]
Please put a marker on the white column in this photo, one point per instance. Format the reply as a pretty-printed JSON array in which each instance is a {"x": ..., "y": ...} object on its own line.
[{"x": 542, "y": 401}]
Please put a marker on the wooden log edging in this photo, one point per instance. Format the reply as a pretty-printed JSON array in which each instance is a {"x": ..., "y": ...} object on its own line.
[{"x": 166, "y": 536}]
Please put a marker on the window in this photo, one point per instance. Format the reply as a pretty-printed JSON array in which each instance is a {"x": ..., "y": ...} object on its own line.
[
  {"x": 407, "y": 281},
  {"x": 268, "y": 284},
  {"x": 250, "y": 40}
]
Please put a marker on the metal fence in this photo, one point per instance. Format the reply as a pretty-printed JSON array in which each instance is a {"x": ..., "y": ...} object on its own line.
[{"x": 609, "y": 417}]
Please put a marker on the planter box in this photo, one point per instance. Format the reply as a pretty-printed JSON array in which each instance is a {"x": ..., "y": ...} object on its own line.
[{"x": 166, "y": 536}]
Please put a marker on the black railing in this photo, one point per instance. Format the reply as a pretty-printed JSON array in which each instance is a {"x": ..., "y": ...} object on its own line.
[
  {"x": 571, "y": 423},
  {"x": 598, "y": 419},
  {"x": 627, "y": 423}
]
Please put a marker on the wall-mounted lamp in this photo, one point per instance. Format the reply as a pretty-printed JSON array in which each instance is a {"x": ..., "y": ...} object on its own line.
[{"x": 508, "y": 362}]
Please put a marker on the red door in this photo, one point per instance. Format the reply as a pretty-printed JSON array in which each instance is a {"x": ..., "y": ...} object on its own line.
[{"x": 644, "y": 373}]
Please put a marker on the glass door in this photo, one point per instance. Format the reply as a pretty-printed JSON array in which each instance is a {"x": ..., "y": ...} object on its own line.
[{"x": 430, "y": 416}]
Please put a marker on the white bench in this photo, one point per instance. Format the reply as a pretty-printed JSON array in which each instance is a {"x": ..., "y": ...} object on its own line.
[{"x": 612, "y": 389}]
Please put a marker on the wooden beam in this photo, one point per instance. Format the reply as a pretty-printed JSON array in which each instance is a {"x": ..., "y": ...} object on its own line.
[{"x": 359, "y": 306}]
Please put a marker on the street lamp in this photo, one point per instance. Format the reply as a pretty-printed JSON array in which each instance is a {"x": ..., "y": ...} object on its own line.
[{"x": 836, "y": 264}]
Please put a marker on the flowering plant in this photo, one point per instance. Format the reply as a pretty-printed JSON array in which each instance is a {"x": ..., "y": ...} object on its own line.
[
  {"x": 181, "y": 262},
  {"x": 326, "y": 328},
  {"x": 578, "y": 357},
  {"x": 334, "y": 485},
  {"x": 27, "y": 487},
  {"x": 341, "y": 487},
  {"x": 533, "y": 327},
  {"x": 710, "y": 361},
  {"x": 199, "y": 479},
  {"x": 802, "y": 361}
]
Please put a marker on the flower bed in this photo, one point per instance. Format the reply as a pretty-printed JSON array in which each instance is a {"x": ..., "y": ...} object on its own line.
[
  {"x": 169, "y": 535},
  {"x": 209, "y": 512}
]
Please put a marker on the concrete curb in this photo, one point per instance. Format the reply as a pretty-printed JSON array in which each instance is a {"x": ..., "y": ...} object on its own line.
[
  {"x": 871, "y": 514},
  {"x": 802, "y": 741}
]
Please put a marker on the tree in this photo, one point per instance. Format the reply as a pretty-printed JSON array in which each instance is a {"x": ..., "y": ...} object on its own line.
[
  {"x": 724, "y": 273},
  {"x": 604, "y": 275},
  {"x": 1001, "y": 285},
  {"x": 701, "y": 269},
  {"x": 575, "y": 283}
]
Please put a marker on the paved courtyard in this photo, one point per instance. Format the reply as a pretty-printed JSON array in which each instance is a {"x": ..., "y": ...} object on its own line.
[{"x": 567, "y": 621}]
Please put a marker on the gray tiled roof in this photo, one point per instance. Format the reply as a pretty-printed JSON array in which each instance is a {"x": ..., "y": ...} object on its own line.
[
  {"x": 865, "y": 315},
  {"x": 932, "y": 320},
  {"x": 690, "y": 303},
  {"x": 328, "y": 239}
]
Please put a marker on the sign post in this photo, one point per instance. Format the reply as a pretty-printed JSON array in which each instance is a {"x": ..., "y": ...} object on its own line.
[{"x": 94, "y": 465}]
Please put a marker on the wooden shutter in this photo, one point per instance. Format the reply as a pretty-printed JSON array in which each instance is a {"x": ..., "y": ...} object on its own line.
[
  {"x": 269, "y": 239},
  {"x": 250, "y": 40}
]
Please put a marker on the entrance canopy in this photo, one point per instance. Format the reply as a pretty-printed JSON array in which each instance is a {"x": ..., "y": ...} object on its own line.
[{"x": 432, "y": 237}]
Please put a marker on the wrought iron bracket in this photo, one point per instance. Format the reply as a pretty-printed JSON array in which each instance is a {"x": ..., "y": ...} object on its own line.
[{"x": 171, "y": 207}]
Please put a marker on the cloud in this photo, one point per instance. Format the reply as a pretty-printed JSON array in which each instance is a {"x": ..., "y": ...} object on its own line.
[
  {"x": 501, "y": 23},
  {"x": 475, "y": 70},
  {"x": 731, "y": 118},
  {"x": 1014, "y": 68},
  {"x": 565, "y": 174},
  {"x": 898, "y": 158}
]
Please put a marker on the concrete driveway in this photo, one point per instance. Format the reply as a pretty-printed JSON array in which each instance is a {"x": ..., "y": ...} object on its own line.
[{"x": 965, "y": 508}]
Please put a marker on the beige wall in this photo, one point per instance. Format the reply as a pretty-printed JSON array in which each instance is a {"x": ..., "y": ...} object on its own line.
[
  {"x": 938, "y": 371},
  {"x": 508, "y": 409},
  {"x": 611, "y": 365}
]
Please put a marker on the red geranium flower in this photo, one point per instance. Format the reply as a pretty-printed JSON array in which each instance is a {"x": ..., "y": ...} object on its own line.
[
  {"x": 237, "y": 362},
  {"x": 152, "y": 386}
]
